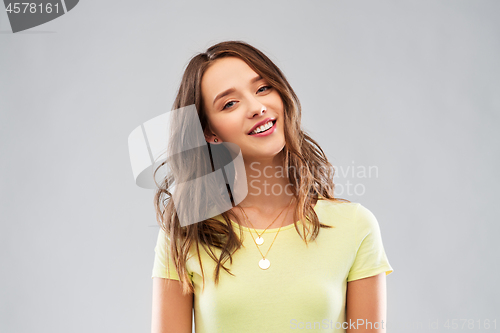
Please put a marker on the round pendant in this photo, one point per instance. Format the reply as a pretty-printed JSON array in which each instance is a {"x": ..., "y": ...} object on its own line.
[
  {"x": 264, "y": 263},
  {"x": 259, "y": 240}
]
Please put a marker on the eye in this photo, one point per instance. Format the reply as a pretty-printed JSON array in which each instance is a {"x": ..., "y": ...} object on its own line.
[
  {"x": 226, "y": 106},
  {"x": 266, "y": 88}
]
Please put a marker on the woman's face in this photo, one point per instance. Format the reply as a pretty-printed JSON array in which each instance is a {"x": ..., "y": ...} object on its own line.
[{"x": 236, "y": 99}]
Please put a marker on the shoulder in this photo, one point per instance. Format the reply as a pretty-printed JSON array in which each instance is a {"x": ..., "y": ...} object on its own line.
[
  {"x": 349, "y": 214},
  {"x": 330, "y": 211},
  {"x": 365, "y": 221}
]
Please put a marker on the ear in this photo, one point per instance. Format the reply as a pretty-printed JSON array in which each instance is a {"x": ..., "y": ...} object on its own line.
[{"x": 209, "y": 136}]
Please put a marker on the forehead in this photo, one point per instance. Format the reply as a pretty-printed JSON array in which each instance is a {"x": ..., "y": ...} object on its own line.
[{"x": 225, "y": 73}]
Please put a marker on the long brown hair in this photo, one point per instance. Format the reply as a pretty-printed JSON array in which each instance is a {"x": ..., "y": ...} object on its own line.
[{"x": 301, "y": 152}]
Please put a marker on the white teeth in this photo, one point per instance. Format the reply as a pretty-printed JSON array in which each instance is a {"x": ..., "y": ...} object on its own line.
[{"x": 263, "y": 127}]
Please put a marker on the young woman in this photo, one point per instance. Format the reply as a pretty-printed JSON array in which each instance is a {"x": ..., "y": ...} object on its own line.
[{"x": 289, "y": 256}]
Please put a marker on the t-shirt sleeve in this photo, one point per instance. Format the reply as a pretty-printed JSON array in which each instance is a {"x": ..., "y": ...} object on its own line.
[
  {"x": 370, "y": 257},
  {"x": 160, "y": 263}
]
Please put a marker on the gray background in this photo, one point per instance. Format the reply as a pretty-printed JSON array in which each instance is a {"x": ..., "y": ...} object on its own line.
[{"x": 411, "y": 87}]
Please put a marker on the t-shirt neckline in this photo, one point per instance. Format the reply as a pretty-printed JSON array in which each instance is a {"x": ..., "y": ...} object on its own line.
[{"x": 290, "y": 226}]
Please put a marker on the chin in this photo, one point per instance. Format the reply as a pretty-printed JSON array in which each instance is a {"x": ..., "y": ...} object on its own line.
[{"x": 267, "y": 152}]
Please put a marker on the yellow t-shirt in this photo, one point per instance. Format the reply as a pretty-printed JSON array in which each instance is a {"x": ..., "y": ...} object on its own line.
[{"x": 304, "y": 287}]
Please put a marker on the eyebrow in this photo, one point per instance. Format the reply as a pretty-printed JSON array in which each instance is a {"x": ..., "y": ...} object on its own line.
[{"x": 231, "y": 90}]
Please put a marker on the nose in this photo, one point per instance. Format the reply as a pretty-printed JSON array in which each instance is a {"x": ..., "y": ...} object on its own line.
[{"x": 255, "y": 107}]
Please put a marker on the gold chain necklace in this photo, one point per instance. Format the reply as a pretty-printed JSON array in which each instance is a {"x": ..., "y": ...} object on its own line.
[
  {"x": 264, "y": 263},
  {"x": 259, "y": 240}
]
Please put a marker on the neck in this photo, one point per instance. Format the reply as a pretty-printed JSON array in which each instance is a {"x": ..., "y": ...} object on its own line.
[{"x": 268, "y": 185}]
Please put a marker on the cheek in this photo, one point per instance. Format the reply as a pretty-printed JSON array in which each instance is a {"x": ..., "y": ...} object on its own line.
[
  {"x": 227, "y": 127},
  {"x": 277, "y": 102}
]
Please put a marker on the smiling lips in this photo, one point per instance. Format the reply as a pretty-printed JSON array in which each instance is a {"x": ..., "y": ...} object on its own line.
[
  {"x": 260, "y": 124},
  {"x": 263, "y": 125},
  {"x": 264, "y": 130}
]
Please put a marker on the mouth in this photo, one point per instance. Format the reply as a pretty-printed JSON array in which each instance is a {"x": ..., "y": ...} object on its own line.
[{"x": 265, "y": 132}]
